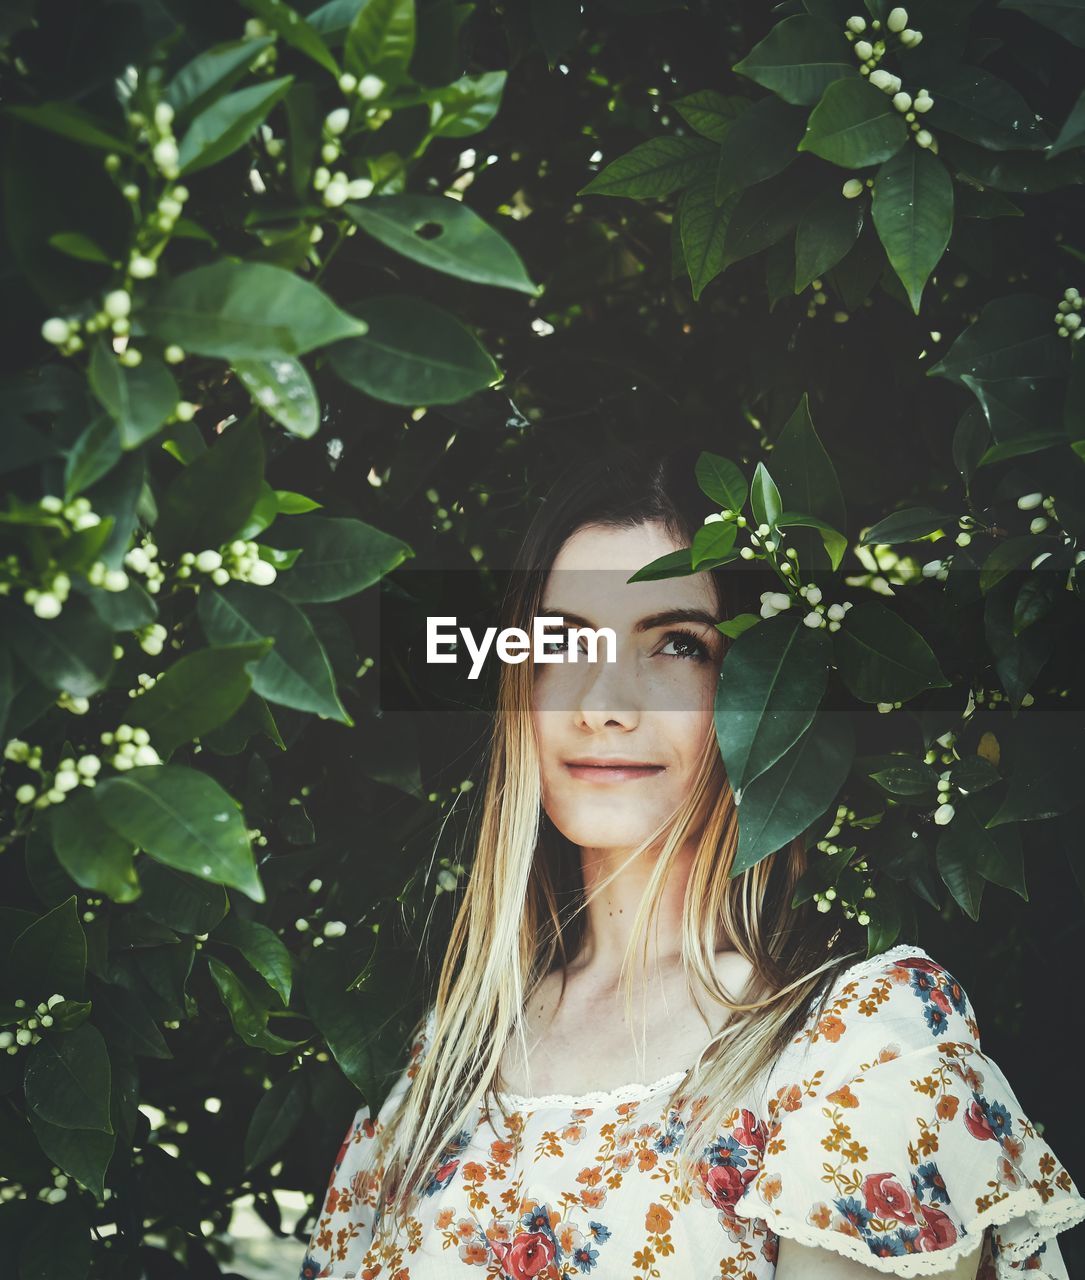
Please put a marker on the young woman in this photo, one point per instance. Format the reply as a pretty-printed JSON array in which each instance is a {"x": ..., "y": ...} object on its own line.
[{"x": 636, "y": 1065}]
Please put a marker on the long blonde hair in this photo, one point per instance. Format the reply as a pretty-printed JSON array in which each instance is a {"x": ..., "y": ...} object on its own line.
[{"x": 521, "y": 914}]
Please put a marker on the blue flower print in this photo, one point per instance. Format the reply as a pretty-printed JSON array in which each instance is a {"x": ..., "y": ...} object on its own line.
[
  {"x": 936, "y": 1019},
  {"x": 927, "y": 1178},
  {"x": 996, "y": 1116},
  {"x": 585, "y": 1257},
  {"x": 671, "y": 1137},
  {"x": 892, "y": 1246},
  {"x": 727, "y": 1151},
  {"x": 310, "y": 1268},
  {"x": 599, "y": 1231},
  {"x": 923, "y": 984},
  {"x": 447, "y": 1165},
  {"x": 855, "y": 1212},
  {"x": 956, "y": 995}
]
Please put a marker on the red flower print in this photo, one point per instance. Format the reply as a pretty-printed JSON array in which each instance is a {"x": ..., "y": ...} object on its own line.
[
  {"x": 940, "y": 999},
  {"x": 886, "y": 1197},
  {"x": 725, "y": 1185},
  {"x": 976, "y": 1122},
  {"x": 918, "y": 962},
  {"x": 750, "y": 1131},
  {"x": 529, "y": 1254},
  {"x": 938, "y": 1233}
]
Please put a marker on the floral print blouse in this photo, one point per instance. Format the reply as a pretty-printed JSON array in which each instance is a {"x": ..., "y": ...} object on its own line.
[{"x": 882, "y": 1132}]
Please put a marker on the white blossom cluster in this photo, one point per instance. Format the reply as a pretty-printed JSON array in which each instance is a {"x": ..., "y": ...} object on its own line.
[
  {"x": 69, "y": 774},
  {"x": 143, "y": 559},
  {"x": 47, "y": 595},
  {"x": 26, "y": 1032},
  {"x": 132, "y": 748},
  {"x": 1068, "y": 315},
  {"x": 239, "y": 559},
  {"x": 870, "y": 48},
  {"x": 336, "y": 187},
  {"x": 825, "y": 898}
]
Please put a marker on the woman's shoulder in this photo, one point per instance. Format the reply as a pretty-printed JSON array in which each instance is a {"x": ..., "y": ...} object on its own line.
[{"x": 899, "y": 1000}]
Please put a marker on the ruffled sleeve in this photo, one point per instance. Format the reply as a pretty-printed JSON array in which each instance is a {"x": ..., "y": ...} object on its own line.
[
  {"x": 344, "y": 1226},
  {"x": 894, "y": 1140}
]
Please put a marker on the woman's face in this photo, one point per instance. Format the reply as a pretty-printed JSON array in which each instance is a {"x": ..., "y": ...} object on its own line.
[{"x": 650, "y": 710}]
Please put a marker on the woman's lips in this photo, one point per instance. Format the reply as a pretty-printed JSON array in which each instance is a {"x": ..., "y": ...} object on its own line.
[{"x": 613, "y": 773}]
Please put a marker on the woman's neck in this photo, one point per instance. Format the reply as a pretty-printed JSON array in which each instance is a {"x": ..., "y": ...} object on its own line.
[{"x": 612, "y": 910}]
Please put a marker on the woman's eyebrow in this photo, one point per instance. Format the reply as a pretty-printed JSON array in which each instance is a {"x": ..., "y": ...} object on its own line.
[{"x": 668, "y": 617}]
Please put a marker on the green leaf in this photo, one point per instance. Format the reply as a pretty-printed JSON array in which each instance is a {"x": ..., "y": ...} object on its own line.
[
  {"x": 67, "y": 1080},
  {"x": 799, "y": 58},
  {"x": 209, "y": 501},
  {"x": 139, "y": 400},
  {"x": 713, "y": 544},
  {"x": 340, "y": 557},
  {"x": 735, "y": 626},
  {"x": 92, "y": 853},
  {"x": 263, "y": 949},
  {"x": 49, "y": 955},
  {"x": 764, "y": 497},
  {"x": 124, "y": 1019},
  {"x": 1045, "y": 780},
  {"x": 94, "y": 454},
  {"x": 807, "y": 478},
  {"x": 772, "y": 680},
  {"x": 968, "y": 855},
  {"x": 759, "y": 144},
  {"x": 903, "y": 775},
  {"x": 77, "y": 245},
  {"x": 1019, "y": 659},
  {"x": 248, "y": 1018},
  {"x": 826, "y": 232},
  {"x": 796, "y": 791},
  {"x": 978, "y": 106},
  {"x": 196, "y": 694},
  {"x": 275, "y": 1118},
  {"x": 702, "y": 226},
  {"x": 834, "y": 542},
  {"x": 72, "y": 652},
  {"x": 1065, "y": 17},
  {"x": 719, "y": 479},
  {"x": 184, "y": 819},
  {"x": 179, "y": 901},
  {"x": 854, "y": 125},
  {"x": 913, "y": 214},
  {"x": 710, "y": 113},
  {"x": 226, "y": 125},
  {"x": 908, "y": 525},
  {"x": 72, "y": 122},
  {"x": 211, "y": 73},
  {"x": 284, "y": 390},
  {"x": 881, "y": 658},
  {"x": 654, "y": 169},
  {"x": 296, "y": 673},
  {"x": 673, "y": 564},
  {"x": 1005, "y": 556},
  {"x": 445, "y": 235},
  {"x": 765, "y": 213},
  {"x": 1014, "y": 363},
  {"x": 83, "y": 1154},
  {"x": 466, "y": 106},
  {"x": 246, "y": 311},
  {"x": 1072, "y": 133},
  {"x": 413, "y": 353},
  {"x": 381, "y": 39},
  {"x": 295, "y": 31}
]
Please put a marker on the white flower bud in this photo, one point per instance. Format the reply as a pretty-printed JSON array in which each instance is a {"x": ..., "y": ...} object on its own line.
[
  {"x": 321, "y": 178},
  {"x": 897, "y": 20},
  {"x": 166, "y": 156},
  {"x": 922, "y": 102},
  {"x": 370, "y": 86},
  {"x": 812, "y": 620},
  {"x": 813, "y": 594},
  {"x": 56, "y": 331},
  {"x": 335, "y": 193},
  {"x": 835, "y": 612},
  {"x": 88, "y": 766},
  {"x": 163, "y": 116},
  {"x": 25, "y": 794},
  {"x": 262, "y": 574},
  {"x": 336, "y": 121},
  {"x": 173, "y": 354},
  {"x": 184, "y": 411},
  {"x": 747, "y": 553},
  {"x": 944, "y": 814},
  {"x": 220, "y": 577},
  {"x": 923, "y": 138},
  {"x": 863, "y": 50},
  {"x": 334, "y": 929},
  {"x": 359, "y": 188},
  {"x": 118, "y": 304},
  {"x": 146, "y": 756},
  {"x": 46, "y": 605},
  {"x": 348, "y": 83},
  {"x": 852, "y": 188},
  {"x": 1029, "y": 501},
  {"x": 910, "y": 38},
  {"x": 114, "y": 580},
  {"x": 857, "y": 23},
  {"x": 1038, "y": 525},
  {"x": 893, "y": 86},
  {"x": 208, "y": 561},
  {"x": 902, "y": 101},
  {"x": 141, "y": 268},
  {"x": 881, "y": 79}
]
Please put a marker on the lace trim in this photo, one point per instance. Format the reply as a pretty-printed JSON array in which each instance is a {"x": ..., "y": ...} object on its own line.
[
  {"x": 635, "y": 1091},
  {"x": 1047, "y": 1222}
]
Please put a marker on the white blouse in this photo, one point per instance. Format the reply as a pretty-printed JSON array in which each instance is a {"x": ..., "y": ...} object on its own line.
[{"x": 882, "y": 1132}]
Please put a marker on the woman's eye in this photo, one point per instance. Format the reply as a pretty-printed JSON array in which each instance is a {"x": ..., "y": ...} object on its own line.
[{"x": 689, "y": 646}]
